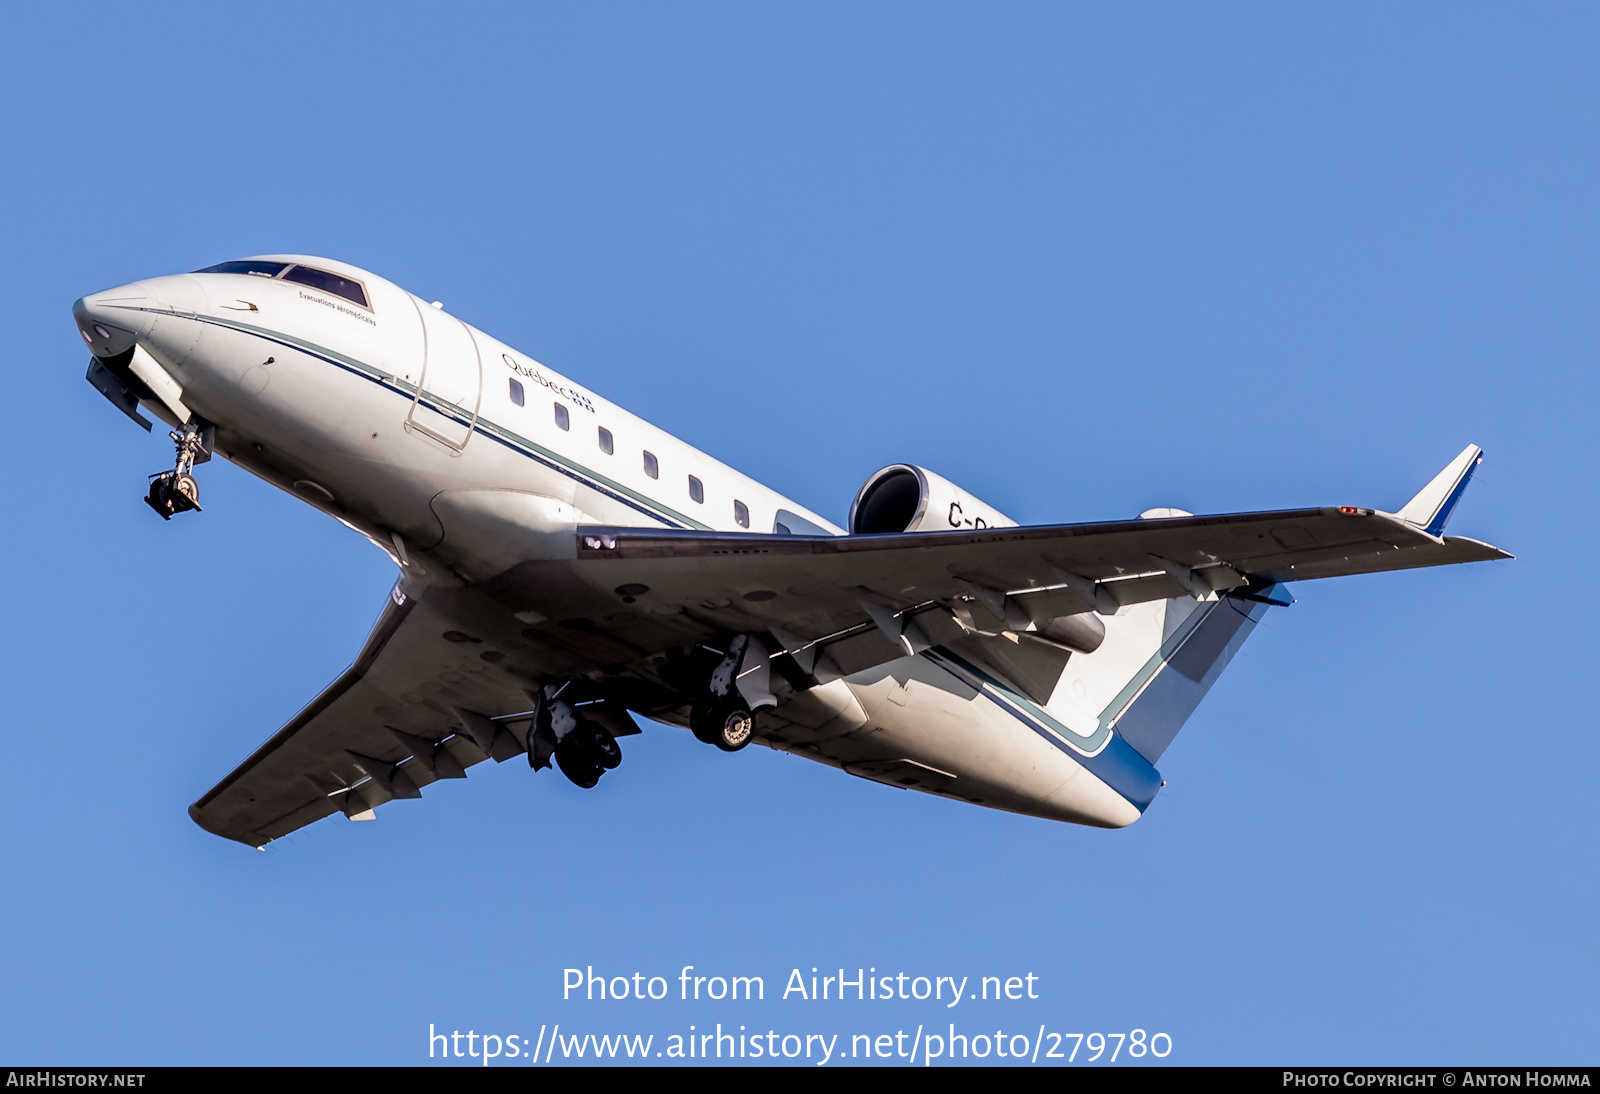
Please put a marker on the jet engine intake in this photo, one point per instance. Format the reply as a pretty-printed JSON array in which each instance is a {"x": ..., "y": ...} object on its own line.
[{"x": 906, "y": 498}]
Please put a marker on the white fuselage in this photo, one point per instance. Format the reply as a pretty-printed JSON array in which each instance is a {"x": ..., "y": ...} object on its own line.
[{"x": 371, "y": 413}]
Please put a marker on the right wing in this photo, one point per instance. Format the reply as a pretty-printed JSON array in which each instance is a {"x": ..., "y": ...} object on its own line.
[
  {"x": 821, "y": 589},
  {"x": 858, "y": 598}
]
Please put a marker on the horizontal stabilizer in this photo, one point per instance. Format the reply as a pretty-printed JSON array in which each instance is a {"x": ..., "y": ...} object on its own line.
[{"x": 1430, "y": 510}]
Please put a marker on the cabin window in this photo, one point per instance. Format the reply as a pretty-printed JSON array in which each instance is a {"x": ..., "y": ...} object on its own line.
[
  {"x": 741, "y": 514},
  {"x": 516, "y": 392},
  {"x": 563, "y": 419},
  {"x": 651, "y": 467},
  {"x": 697, "y": 492},
  {"x": 605, "y": 441},
  {"x": 330, "y": 283},
  {"x": 259, "y": 269}
]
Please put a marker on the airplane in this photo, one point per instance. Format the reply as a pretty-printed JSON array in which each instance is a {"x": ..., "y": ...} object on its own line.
[{"x": 564, "y": 566}]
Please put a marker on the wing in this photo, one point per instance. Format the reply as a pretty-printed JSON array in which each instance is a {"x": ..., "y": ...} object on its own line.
[
  {"x": 849, "y": 602},
  {"x": 407, "y": 713}
]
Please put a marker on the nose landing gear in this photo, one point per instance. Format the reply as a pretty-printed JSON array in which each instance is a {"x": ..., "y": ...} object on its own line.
[{"x": 175, "y": 491}]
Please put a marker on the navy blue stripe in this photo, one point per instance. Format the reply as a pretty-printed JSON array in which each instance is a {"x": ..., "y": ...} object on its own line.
[{"x": 1117, "y": 764}]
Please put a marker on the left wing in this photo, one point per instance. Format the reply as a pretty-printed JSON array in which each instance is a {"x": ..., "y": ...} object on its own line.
[{"x": 420, "y": 704}]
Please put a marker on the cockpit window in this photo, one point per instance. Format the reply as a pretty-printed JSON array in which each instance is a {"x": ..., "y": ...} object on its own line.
[
  {"x": 260, "y": 269},
  {"x": 329, "y": 283}
]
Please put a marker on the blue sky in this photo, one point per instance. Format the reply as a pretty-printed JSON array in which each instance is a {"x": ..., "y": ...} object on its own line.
[{"x": 1083, "y": 260}]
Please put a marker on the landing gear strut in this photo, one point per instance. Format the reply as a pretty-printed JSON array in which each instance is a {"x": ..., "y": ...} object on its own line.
[{"x": 175, "y": 491}]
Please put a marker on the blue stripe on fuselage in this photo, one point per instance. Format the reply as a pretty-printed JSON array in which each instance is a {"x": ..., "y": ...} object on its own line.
[{"x": 1115, "y": 762}]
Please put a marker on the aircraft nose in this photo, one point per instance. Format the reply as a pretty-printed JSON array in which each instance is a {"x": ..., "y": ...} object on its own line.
[{"x": 111, "y": 322}]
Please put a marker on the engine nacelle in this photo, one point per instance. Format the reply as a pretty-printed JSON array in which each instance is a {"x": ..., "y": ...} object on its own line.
[{"x": 904, "y": 498}]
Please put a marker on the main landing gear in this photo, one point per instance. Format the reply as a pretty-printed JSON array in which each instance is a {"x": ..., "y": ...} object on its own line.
[
  {"x": 573, "y": 721},
  {"x": 583, "y": 749},
  {"x": 721, "y": 716},
  {"x": 175, "y": 491}
]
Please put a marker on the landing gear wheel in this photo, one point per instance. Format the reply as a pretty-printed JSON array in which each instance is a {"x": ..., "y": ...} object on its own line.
[
  {"x": 601, "y": 746},
  {"x": 185, "y": 485},
  {"x": 733, "y": 729},
  {"x": 172, "y": 492},
  {"x": 587, "y": 753},
  {"x": 576, "y": 765},
  {"x": 702, "y": 721},
  {"x": 725, "y": 723}
]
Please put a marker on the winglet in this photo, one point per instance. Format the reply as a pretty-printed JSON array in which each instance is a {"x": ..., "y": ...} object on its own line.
[{"x": 1430, "y": 510}]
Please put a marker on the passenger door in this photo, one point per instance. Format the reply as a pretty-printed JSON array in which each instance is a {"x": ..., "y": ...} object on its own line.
[{"x": 450, "y": 389}]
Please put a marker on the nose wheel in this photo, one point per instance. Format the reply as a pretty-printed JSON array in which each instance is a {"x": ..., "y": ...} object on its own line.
[
  {"x": 176, "y": 491},
  {"x": 173, "y": 492}
]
